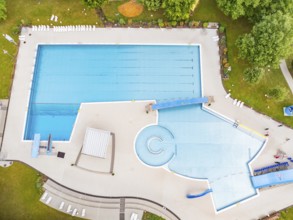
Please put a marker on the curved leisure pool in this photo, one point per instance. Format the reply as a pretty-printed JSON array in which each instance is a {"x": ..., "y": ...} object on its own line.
[{"x": 188, "y": 140}]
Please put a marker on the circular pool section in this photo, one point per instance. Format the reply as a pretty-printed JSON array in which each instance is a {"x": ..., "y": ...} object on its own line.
[{"x": 155, "y": 145}]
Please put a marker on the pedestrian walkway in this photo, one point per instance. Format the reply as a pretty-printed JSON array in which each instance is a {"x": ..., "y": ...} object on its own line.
[
  {"x": 3, "y": 112},
  {"x": 94, "y": 207},
  {"x": 287, "y": 74}
]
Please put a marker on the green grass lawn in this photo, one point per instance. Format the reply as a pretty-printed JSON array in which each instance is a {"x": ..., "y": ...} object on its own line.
[
  {"x": 252, "y": 95},
  {"x": 287, "y": 214},
  {"x": 19, "y": 198},
  {"x": 36, "y": 12},
  {"x": 151, "y": 216}
]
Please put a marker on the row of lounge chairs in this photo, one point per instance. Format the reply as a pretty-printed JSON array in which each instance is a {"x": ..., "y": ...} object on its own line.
[
  {"x": 64, "y": 28},
  {"x": 236, "y": 102},
  {"x": 41, "y": 28},
  {"x": 74, "y": 28},
  {"x": 74, "y": 211}
]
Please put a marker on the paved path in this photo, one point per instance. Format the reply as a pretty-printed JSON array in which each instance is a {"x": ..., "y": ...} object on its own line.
[
  {"x": 3, "y": 111},
  {"x": 287, "y": 74},
  {"x": 99, "y": 207}
]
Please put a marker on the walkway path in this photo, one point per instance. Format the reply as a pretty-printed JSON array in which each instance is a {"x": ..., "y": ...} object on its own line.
[
  {"x": 287, "y": 74},
  {"x": 96, "y": 207},
  {"x": 3, "y": 111}
]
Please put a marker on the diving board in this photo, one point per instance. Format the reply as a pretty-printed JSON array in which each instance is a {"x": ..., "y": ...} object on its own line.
[
  {"x": 274, "y": 178},
  {"x": 178, "y": 103}
]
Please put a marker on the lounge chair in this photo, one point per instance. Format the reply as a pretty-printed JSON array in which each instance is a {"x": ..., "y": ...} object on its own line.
[
  {"x": 134, "y": 216},
  {"x": 61, "y": 205},
  {"x": 228, "y": 95},
  {"x": 74, "y": 212},
  {"x": 68, "y": 209},
  {"x": 83, "y": 213},
  {"x": 44, "y": 196},
  {"x": 48, "y": 200}
]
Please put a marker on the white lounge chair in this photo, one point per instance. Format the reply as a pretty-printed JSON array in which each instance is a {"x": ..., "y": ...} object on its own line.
[
  {"x": 83, "y": 213},
  {"x": 74, "y": 212},
  {"x": 44, "y": 196},
  {"x": 134, "y": 216},
  {"x": 48, "y": 200},
  {"x": 52, "y": 18},
  {"x": 56, "y": 18},
  {"x": 228, "y": 95},
  {"x": 238, "y": 103},
  {"x": 68, "y": 209},
  {"x": 235, "y": 102},
  {"x": 61, "y": 205},
  {"x": 241, "y": 105}
]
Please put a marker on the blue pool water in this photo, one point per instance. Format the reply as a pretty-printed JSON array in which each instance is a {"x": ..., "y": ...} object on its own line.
[{"x": 189, "y": 140}]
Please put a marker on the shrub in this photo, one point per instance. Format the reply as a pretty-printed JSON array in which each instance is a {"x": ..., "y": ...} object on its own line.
[
  {"x": 161, "y": 23},
  {"x": 129, "y": 21},
  {"x": 174, "y": 23},
  {"x": 122, "y": 21},
  {"x": 3, "y": 10},
  {"x": 205, "y": 24},
  {"x": 253, "y": 75},
  {"x": 94, "y": 3},
  {"x": 221, "y": 29},
  {"x": 224, "y": 61},
  {"x": 226, "y": 65},
  {"x": 191, "y": 23},
  {"x": 278, "y": 93},
  {"x": 196, "y": 24},
  {"x": 225, "y": 50},
  {"x": 16, "y": 30},
  {"x": 152, "y": 5}
]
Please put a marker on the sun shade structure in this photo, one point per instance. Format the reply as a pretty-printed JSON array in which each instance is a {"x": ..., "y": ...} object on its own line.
[{"x": 96, "y": 142}]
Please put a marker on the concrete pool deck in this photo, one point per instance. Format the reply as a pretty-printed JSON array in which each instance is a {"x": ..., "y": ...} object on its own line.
[{"x": 125, "y": 119}]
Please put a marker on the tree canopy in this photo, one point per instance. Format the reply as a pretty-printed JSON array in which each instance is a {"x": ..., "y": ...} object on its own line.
[
  {"x": 267, "y": 7},
  {"x": 3, "y": 10},
  {"x": 254, "y": 9},
  {"x": 152, "y": 5},
  {"x": 269, "y": 41},
  {"x": 94, "y": 3},
  {"x": 237, "y": 8},
  {"x": 177, "y": 10}
]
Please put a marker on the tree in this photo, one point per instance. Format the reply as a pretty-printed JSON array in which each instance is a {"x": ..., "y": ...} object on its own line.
[
  {"x": 152, "y": 5},
  {"x": 269, "y": 41},
  {"x": 253, "y": 75},
  {"x": 254, "y": 9},
  {"x": 177, "y": 10},
  {"x": 267, "y": 7},
  {"x": 3, "y": 10},
  {"x": 94, "y": 3},
  {"x": 237, "y": 8},
  {"x": 278, "y": 93}
]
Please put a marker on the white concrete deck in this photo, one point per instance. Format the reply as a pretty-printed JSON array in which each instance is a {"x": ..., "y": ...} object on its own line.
[{"x": 132, "y": 178}]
